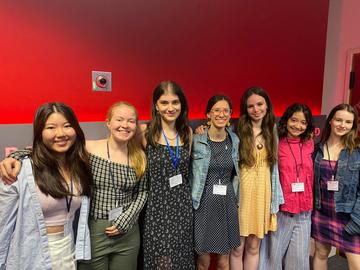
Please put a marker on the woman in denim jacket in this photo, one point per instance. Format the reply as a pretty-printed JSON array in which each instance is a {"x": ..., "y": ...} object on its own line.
[
  {"x": 336, "y": 218},
  {"x": 214, "y": 178}
]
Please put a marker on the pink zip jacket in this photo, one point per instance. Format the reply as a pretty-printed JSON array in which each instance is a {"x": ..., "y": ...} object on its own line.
[{"x": 292, "y": 154}]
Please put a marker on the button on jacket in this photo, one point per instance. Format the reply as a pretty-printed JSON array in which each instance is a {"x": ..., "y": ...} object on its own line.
[
  {"x": 347, "y": 198},
  {"x": 200, "y": 160},
  {"x": 23, "y": 235}
]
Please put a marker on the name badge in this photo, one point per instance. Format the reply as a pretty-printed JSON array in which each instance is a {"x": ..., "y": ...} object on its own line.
[
  {"x": 175, "y": 180},
  {"x": 297, "y": 187},
  {"x": 333, "y": 185},
  {"x": 219, "y": 190},
  {"x": 114, "y": 213}
]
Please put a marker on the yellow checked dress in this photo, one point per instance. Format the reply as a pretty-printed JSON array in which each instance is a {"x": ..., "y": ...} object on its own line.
[{"x": 255, "y": 197}]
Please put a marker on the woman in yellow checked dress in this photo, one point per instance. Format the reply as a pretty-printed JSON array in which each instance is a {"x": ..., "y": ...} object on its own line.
[{"x": 260, "y": 190}]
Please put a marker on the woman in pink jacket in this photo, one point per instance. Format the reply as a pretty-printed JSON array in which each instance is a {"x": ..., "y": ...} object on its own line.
[{"x": 288, "y": 247}]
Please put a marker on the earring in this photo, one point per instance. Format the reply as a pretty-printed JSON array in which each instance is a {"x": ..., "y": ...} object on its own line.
[
  {"x": 228, "y": 124},
  {"x": 208, "y": 123}
]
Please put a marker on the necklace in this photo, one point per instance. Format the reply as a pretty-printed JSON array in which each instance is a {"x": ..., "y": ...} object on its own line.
[
  {"x": 221, "y": 138},
  {"x": 171, "y": 139},
  {"x": 259, "y": 144}
]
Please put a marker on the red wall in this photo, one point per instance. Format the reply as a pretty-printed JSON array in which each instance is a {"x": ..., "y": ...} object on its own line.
[{"x": 48, "y": 49}]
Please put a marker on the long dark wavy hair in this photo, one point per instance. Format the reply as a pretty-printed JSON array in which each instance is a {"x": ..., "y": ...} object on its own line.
[
  {"x": 245, "y": 130},
  {"x": 296, "y": 107},
  {"x": 182, "y": 122},
  {"x": 46, "y": 166},
  {"x": 351, "y": 139}
]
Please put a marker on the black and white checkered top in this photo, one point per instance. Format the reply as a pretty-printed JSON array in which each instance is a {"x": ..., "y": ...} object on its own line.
[{"x": 130, "y": 192}]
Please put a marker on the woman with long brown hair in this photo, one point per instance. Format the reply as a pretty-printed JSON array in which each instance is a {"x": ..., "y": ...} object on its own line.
[
  {"x": 260, "y": 190},
  {"x": 336, "y": 217},
  {"x": 168, "y": 223}
]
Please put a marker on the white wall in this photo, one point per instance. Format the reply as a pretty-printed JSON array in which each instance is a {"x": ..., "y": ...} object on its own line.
[{"x": 343, "y": 34}]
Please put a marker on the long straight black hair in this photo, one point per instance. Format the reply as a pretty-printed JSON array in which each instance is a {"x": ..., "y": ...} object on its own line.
[{"x": 47, "y": 171}]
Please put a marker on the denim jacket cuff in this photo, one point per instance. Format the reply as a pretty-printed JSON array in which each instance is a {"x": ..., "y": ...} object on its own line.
[{"x": 352, "y": 228}]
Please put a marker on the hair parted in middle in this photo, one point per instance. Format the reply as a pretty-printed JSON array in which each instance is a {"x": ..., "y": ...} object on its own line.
[
  {"x": 296, "y": 107},
  {"x": 351, "y": 139},
  {"x": 136, "y": 153},
  {"x": 245, "y": 131},
  {"x": 215, "y": 99},
  {"x": 182, "y": 122},
  {"x": 47, "y": 170}
]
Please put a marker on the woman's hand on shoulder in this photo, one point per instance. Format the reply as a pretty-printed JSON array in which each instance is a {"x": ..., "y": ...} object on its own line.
[
  {"x": 200, "y": 129},
  {"x": 95, "y": 146},
  {"x": 140, "y": 134},
  {"x": 9, "y": 170}
]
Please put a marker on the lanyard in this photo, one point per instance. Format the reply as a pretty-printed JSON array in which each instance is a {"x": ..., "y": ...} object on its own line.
[
  {"x": 174, "y": 159},
  {"x": 68, "y": 201},
  {"x": 333, "y": 171},
  {"x": 293, "y": 155},
  {"x": 117, "y": 199}
]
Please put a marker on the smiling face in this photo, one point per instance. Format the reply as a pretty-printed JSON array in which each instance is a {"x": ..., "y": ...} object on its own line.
[
  {"x": 58, "y": 135},
  {"x": 296, "y": 125},
  {"x": 341, "y": 123},
  {"x": 256, "y": 108},
  {"x": 219, "y": 114},
  {"x": 169, "y": 107},
  {"x": 122, "y": 123}
]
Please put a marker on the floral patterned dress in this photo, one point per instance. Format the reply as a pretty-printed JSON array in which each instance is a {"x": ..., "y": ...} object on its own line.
[{"x": 168, "y": 225}]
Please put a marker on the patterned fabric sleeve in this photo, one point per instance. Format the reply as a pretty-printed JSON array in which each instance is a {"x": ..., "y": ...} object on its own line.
[
  {"x": 128, "y": 218},
  {"x": 20, "y": 154}
]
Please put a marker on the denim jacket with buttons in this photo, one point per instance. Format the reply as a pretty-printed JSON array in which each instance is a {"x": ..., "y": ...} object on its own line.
[
  {"x": 23, "y": 235},
  {"x": 200, "y": 160},
  {"x": 347, "y": 198}
]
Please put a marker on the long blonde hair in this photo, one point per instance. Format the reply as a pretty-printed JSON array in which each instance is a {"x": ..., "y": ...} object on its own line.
[{"x": 136, "y": 153}]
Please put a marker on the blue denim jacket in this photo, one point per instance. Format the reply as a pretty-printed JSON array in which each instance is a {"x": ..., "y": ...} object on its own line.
[
  {"x": 200, "y": 160},
  {"x": 347, "y": 199},
  {"x": 23, "y": 236},
  {"x": 200, "y": 164}
]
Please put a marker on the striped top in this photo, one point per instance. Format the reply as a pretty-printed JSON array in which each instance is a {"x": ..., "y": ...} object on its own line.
[{"x": 128, "y": 192}]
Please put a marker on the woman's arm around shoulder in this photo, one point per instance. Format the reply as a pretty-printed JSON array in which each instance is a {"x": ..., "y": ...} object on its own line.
[
  {"x": 140, "y": 134},
  {"x": 96, "y": 147}
]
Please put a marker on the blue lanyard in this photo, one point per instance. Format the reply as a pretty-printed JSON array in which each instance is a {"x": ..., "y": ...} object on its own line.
[{"x": 174, "y": 159}]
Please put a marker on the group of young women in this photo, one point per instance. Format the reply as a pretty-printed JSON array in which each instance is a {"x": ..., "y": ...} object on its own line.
[{"x": 245, "y": 196}]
